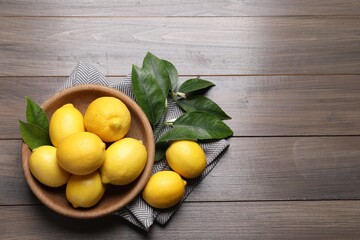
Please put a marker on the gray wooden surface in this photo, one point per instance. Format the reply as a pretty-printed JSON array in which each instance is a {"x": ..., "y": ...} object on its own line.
[{"x": 286, "y": 71}]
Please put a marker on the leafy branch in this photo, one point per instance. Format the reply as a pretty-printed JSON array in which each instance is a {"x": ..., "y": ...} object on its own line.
[{"x": 156, "y": 82}]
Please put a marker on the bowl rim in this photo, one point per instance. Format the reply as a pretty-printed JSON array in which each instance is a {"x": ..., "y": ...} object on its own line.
[{"x": 145, "y": 175}]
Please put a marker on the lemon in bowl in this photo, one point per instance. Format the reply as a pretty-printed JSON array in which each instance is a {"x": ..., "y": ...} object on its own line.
[{"x": 108, "y": 118}]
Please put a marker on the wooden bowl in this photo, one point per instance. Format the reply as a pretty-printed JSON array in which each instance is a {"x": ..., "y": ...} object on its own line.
[{"x": 115, "y": 197}]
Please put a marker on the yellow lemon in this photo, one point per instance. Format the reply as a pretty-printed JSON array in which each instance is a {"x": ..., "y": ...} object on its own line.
[
  {"x": 107, "y": 117},
  {"x": 125, "y": 159},
  {"x": 164, "y": 189},
  {"x": 85, "y": 190},
  {"x": 186, "y": 158},
  {"x": 45, "y": 168},
  {"x": 65, "y": 121},
  {"x": 81, "y": 153}
]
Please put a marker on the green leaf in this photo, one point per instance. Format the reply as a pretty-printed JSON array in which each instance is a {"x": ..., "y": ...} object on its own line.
[
  {"x": 148, "y": 94},
  {"x": 156, "y": 67},
  {"x": 33, "y": 135},
  {"x": 36, "y": 115},
  {"x": 204, "y": 125},
  {"x": 173, "y": 74},
  {"x": 178, "y": 133},
  {"x": 160, "y": 149},
  {"x": 197, "y": 126},
  {"x": 202, "y": 104},
  {"x": 195, "y": 84}
]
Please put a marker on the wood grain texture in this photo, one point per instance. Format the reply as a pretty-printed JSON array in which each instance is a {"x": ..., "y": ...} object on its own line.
[
  {"x": 258, "y": 169},
  {"x": 281, "y": 168},
  {"x": 178, "y": 8},
  {"x": 290, "y": 105},
  {"x": 240, "y": 220},
  {"x": 258, "y": 105},
  {"x": 197, "y": 46},
  {"x": 287, "y": 72}
]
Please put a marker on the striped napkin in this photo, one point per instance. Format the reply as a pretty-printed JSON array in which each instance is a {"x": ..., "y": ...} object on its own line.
[{"x": 138, "y": 212}]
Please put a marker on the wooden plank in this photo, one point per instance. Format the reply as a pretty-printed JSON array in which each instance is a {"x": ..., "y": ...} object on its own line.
[
  {"x": 197, "y": 46},
  {"x": 179, "y": 8},
  {"x": 297, "y": 168},
  {"x": 12, "y": 177},
  {"x": 258, "y": 105},
  {"x": 289, "y": 105},
  {"x": 282, "y": 168},
  {"x": 229, "y": 220}
]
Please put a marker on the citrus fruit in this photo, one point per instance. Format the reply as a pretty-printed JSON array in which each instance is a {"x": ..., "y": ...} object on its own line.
[
  {"x": 125, "y": 159},
  {"x": 45, "y": 168},
  {"x": 164, "y": 189},
  {"x": 107, "y": 117},
  {"x": 81, "y": 153},
  {"x": 85, "y": 190},
  {"x": 186, "y": 158},
  {"x": 65, "y": 121}
]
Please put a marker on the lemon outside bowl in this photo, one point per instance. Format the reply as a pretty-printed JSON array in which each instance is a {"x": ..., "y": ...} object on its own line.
[{"x": 115, "y": 197}]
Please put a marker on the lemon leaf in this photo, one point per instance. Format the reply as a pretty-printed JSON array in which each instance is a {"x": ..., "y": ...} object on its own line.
[
  {"x": 204, "y": 125},
  {"x": 173, "y": 74},
  {"x": 197, "y": 126},
  {"x": 202, "y": 104},
  {"x": 148, "y": 94},
  {"x": 36, "y": 115},
  {"x": 156, "y": 67},
  {"x": 160, "y": 149},
  {"x": 178, "y": 133},
  {"x": 195, "y": 84},
  {"x": 33, "y": 135}
]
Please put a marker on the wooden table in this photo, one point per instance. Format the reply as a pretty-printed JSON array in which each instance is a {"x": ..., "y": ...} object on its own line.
[{"x": 286, "y": 71}]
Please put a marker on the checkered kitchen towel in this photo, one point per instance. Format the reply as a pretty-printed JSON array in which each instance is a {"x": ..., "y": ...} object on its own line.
[{"x": 138, "y": 212}]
